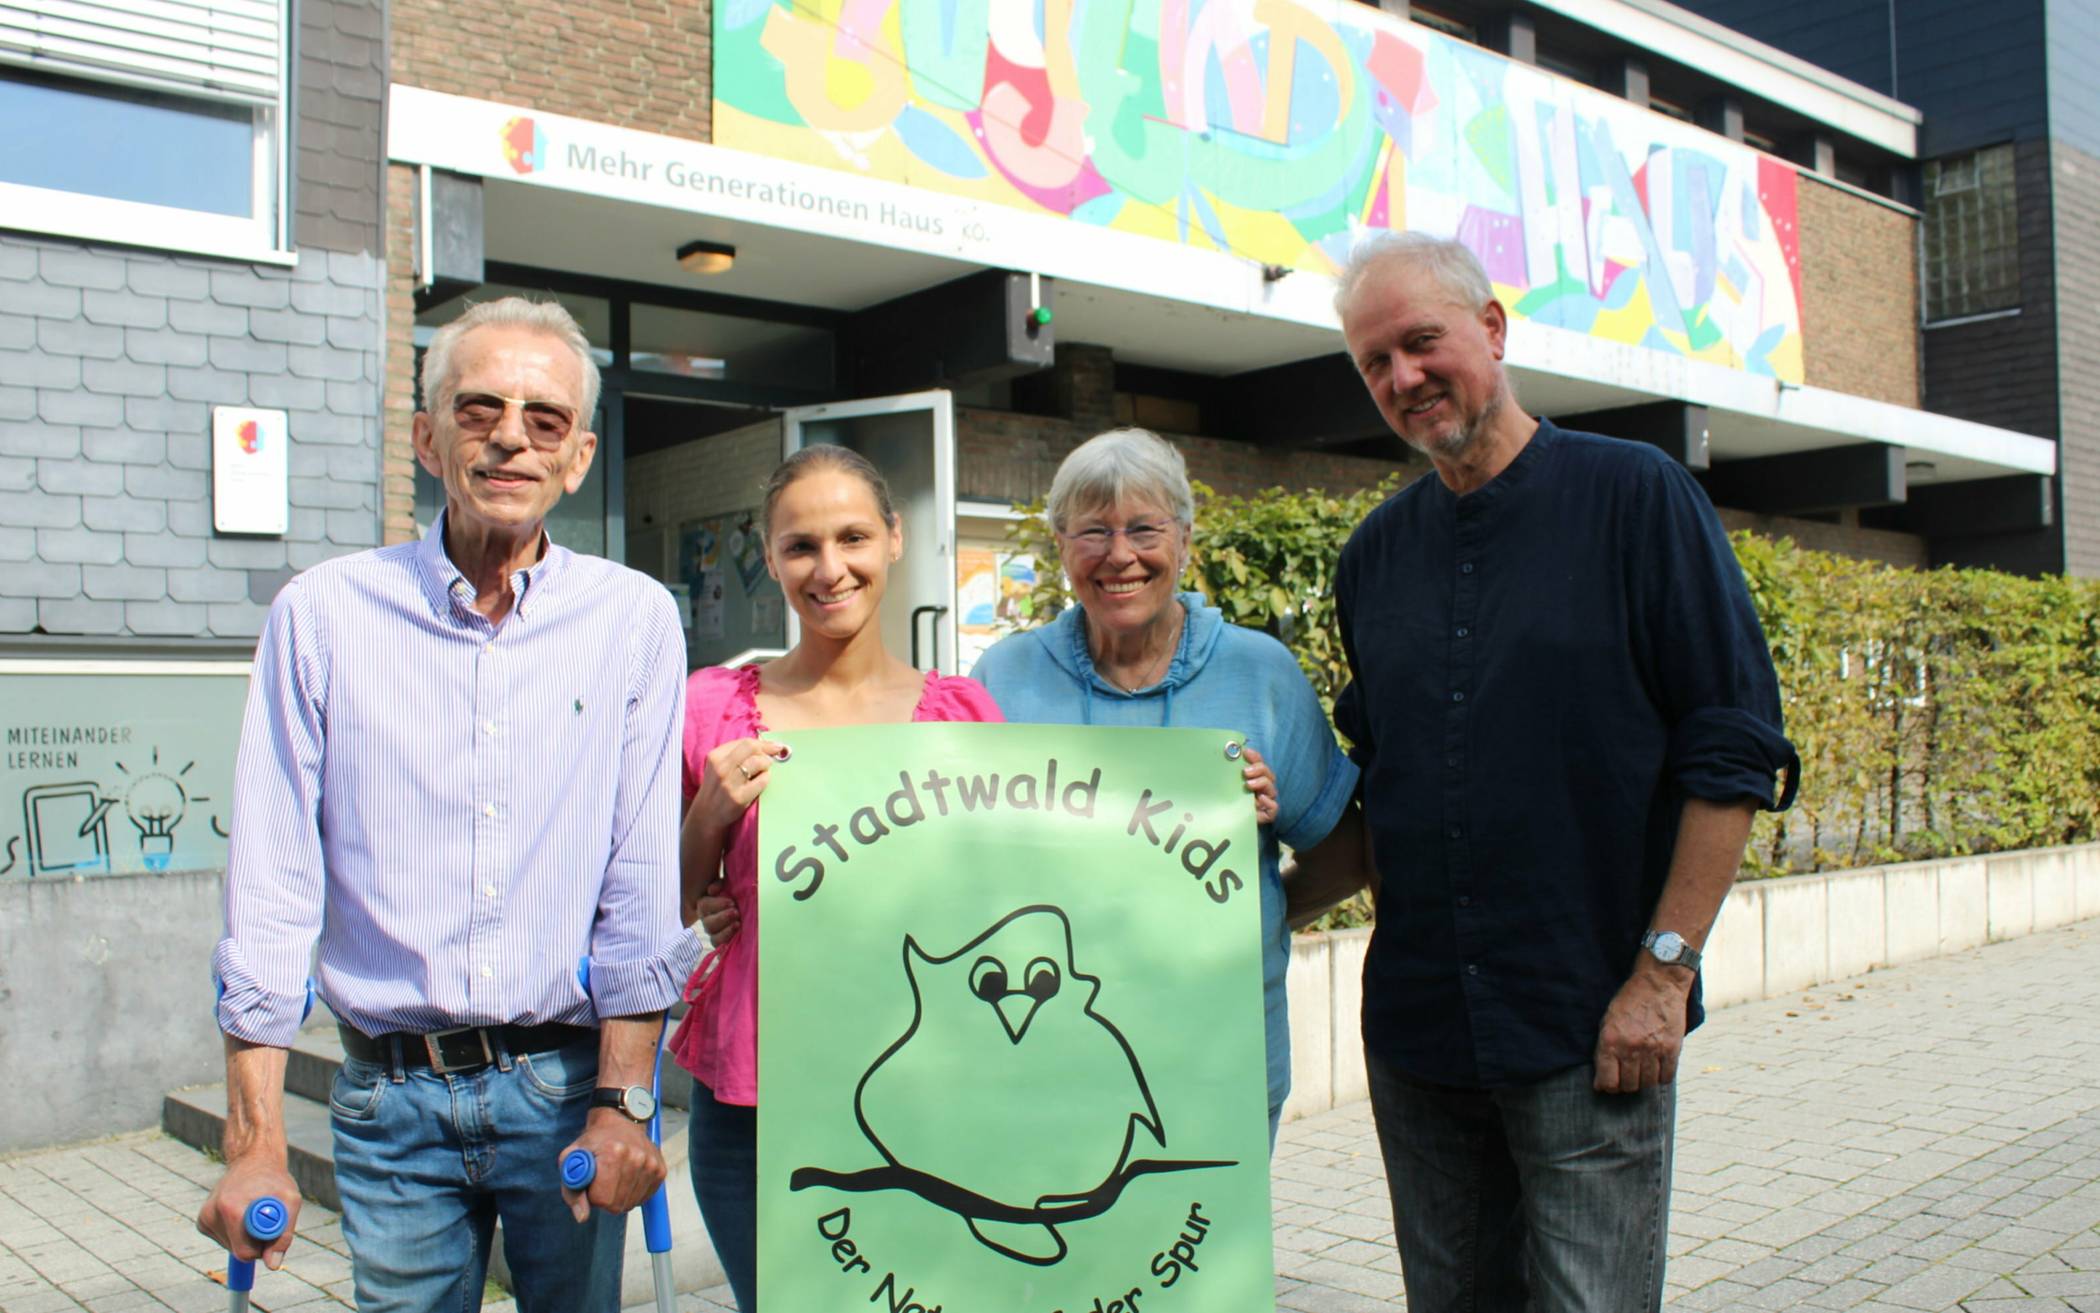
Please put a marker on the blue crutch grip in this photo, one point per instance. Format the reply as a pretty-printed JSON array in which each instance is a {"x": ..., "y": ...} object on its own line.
[
  {"x": 579, "y": 1167},
  {"x": 266, "y": 1220}
]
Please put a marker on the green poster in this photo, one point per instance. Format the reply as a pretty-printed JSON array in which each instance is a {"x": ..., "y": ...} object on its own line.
[{"x": 1010, "y": 1034}]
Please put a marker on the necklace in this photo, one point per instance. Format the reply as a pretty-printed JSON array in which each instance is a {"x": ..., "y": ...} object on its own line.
[{"x": 1159, "y": 665}]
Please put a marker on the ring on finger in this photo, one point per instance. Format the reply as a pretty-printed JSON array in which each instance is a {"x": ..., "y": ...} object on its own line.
[{"x": 745, "y": 768}]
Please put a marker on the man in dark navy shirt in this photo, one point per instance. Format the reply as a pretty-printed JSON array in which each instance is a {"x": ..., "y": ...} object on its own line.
[{"x": 1566, "y": 717}]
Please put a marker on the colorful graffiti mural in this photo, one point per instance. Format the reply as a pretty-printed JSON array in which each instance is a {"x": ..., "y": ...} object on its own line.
[{"x": 1277, "y": 130}]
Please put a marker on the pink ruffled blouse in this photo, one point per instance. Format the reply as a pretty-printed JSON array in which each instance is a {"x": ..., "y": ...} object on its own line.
[{"x": 718, "y": 1040}]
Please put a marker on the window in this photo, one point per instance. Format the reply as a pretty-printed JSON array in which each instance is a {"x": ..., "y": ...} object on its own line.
[
  {"x": 1572, "y": 69},
  {"x": 709, "y": 346},
  {"x": 1449, "y": 26},
  {"x": 145, "y": 123},
  {"x": 594, "y": 314},
  {"x": 1669, "y": 108},
  {"x": 1971, "y": 235}
]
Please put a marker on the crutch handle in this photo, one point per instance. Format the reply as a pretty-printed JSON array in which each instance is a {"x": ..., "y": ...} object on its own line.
[
  {"x": 579, "y": 1167},
  {"x": 266, "y": 1220}
]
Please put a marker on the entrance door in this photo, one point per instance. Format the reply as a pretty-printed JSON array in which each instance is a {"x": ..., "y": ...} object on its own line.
[{"x": 911, "y": 439}]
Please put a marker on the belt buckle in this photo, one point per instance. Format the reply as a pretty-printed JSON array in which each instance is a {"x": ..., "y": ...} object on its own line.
[{"x": 434, "y": 1045}]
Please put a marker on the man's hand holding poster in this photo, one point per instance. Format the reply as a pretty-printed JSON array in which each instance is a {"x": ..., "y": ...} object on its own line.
[{"x": 1011, "y": 1051}]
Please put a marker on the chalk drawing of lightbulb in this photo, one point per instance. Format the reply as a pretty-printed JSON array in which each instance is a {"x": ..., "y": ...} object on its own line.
[{"x": 156, "y": 803}]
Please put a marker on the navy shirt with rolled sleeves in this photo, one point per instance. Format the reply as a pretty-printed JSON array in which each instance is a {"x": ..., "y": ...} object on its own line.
[{"x": 1542, "y": 672}]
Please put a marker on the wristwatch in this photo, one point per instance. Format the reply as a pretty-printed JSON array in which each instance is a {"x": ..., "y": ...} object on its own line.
[
  {"x": 635, "y": 1102},
  {"x": 1668, "y": 947}
]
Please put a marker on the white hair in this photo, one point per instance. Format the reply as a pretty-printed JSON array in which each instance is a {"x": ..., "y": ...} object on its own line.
[
  {"x": 1450, "y": 263},
  {"x": 548, "y": 317},
  {"x": 1125, "y": 462}
]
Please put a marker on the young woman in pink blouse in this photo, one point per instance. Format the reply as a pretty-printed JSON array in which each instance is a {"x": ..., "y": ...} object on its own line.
[{"x": 831, "y": 536}]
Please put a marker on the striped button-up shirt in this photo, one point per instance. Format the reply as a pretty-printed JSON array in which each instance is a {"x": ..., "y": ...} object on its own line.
[{"x": 460, "y": 812}]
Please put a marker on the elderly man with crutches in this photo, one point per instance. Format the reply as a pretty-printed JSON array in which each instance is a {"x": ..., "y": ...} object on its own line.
[{"x": 458, "y": 773}]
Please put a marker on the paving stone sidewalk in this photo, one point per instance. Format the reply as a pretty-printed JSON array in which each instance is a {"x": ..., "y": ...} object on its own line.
[{"x": 1922, "y": 1138}]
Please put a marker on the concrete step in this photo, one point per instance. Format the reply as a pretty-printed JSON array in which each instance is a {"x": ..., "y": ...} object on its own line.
[
  {"x": 310, "y": 1069},
  {"x": 197, "y": 1117}
]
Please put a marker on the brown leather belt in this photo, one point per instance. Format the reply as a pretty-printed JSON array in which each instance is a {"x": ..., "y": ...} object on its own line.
[{"x": 466, "y": 1048}]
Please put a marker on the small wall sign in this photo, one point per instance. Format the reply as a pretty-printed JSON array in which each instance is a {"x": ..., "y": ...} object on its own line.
[{"x": 250, "y": 470}]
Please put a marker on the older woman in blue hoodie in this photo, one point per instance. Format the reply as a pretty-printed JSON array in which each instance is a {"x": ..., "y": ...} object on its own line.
[{"x": 1136, "y": 651}]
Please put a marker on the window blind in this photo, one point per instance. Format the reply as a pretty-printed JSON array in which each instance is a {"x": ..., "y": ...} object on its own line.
[{"x": 224, "y": 49}]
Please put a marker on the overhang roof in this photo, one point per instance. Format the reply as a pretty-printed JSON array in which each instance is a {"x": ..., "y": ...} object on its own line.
[
  {"x": 1765, "y": 71},
  {"x": 1152, "y": 302}
]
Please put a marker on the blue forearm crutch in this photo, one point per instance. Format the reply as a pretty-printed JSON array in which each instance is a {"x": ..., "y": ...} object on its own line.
[
  {"x": 579, "y": 1167},
  {"x": 266, "y": 1219}
]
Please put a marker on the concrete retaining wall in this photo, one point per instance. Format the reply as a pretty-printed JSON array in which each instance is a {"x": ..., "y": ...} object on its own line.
[
  {"x": 106, "y": 995},
  {"x": 1774, "y": 936},
  {"x": 105, "y": 1001}
]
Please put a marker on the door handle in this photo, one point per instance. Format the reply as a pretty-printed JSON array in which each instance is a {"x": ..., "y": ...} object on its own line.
[{"x": 933, "y": 630}]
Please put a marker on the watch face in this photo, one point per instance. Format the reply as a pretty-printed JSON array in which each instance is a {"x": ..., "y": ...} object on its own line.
[
  {"x": 1669, "y": 946},
  {"x": 638, "y": 1103}
]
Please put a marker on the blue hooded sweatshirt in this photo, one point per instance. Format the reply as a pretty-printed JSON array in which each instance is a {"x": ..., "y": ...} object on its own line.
[{"x": 1222, "y": 677}]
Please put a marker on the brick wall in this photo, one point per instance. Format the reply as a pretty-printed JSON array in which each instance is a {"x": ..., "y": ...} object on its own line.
[
  {"x": 1903, "y": 549},
  {"x": 1859, "y": 292},
  {"x": 397, "y": 458},
  {"x": 715, "y": 475},
  {"x": 110, "y": 362},
  {"x": 2077, "y": 204},
  {"x": 1005, "y": 456},
  {"x": 643, "y": 64}
]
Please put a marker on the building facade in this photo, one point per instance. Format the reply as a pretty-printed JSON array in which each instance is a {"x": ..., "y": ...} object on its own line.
[
  {"x": 957, "y": 237},
  {"x": 2009, "y": 243}
]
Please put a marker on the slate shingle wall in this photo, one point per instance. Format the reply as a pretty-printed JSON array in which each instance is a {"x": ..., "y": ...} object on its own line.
[
  {"x": 111, "y": 359},
  {"x": 110, "y": 362}
]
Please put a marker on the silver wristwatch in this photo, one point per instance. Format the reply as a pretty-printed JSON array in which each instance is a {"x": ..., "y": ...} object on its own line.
[
  {"x": 635, "y": 1102},
  {"x": 1668, "y": 947}
]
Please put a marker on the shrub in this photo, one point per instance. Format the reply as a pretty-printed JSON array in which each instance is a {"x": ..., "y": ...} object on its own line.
[{"x": 1936, "y": 712}]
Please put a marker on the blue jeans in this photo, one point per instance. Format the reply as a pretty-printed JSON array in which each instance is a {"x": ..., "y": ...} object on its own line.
[
  {"x": 1543, "y": 1198},
  {"x": 426, "y": 1164},
  {"x": 722, "y": 1144}
]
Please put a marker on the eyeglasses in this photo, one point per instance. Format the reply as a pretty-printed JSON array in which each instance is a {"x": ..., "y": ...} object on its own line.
[
  {"x": 1142, "y": 537},
  {"x": 547, "y": 423}
]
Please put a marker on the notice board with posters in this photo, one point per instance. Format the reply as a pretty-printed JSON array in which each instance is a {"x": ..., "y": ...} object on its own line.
[{"x": 1011, "y": 1047}]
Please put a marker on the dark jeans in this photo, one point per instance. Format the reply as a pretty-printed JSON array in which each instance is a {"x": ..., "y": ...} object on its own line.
[
  {"x": 722, "y": 1145},
  {"x": 1544, "y": 1198}
]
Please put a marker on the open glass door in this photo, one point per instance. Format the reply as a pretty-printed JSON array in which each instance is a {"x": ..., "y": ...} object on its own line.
[{"x": 911, "y": 439}]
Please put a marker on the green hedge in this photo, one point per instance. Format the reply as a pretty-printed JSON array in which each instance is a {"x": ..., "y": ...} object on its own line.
[{"x": 1936, "y": 712}]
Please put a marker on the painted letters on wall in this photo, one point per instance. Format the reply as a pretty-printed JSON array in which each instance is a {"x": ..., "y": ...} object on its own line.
[{"x": 1278, "y": 129}]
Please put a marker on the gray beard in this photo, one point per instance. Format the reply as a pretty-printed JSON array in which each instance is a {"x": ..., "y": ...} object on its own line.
[{"x": 1455, "y": 444}]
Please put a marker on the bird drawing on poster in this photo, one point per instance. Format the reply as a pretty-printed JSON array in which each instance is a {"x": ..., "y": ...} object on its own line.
[
  {"x": 1001, "y": 1028},
  {"x": 1008, "y": 1099}
]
